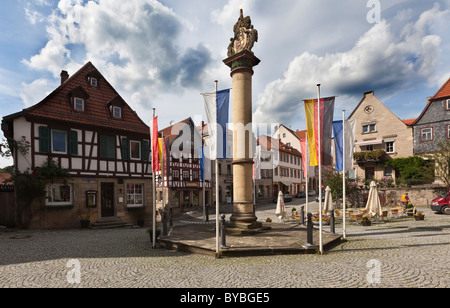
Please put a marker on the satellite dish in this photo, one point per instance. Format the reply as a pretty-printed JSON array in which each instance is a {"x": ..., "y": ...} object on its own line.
[{"x": 172, "y": 123}]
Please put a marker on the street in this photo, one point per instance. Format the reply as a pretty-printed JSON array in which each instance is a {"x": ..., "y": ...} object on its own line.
[{"x": 400, "y": 254}]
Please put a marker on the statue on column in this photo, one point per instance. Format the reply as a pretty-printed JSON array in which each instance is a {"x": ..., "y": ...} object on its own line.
[{"x": 245, "y": 36}]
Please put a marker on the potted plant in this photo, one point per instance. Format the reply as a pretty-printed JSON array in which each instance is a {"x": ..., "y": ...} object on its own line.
[
  {"x": 325, "y": 220},
  {"x": 150, "y": 232},
  {"x": 419, "y": 216},
  {"x": 409, "y": 210},
  {"x": 85, "y": 220},
  {"x": 294, "y": 211},
  {"x": 268, "y": 220},
  {"x": 365, "y": 221}
]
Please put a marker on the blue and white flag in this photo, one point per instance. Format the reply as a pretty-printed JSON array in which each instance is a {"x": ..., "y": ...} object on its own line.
[
  {"x": 338, "y": 132},
  {"x": 217, "y": 112},
  {"x": 205, "y": 163}
]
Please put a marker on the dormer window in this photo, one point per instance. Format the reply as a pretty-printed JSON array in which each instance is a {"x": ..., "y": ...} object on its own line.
[
  {"x": 94, "y": 82},
  {"x": 117, "y": 112},
  {"x": 78, "y": 104}
]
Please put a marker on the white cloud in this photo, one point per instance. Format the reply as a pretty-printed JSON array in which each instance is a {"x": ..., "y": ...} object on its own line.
[
  {"x": 36, "y": 91},
  {"x": 380, "y": 60},
  {"x": 137, "y": 49}
]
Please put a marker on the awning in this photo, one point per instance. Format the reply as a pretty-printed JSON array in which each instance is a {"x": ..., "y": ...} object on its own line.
[{"x": 371, "y": 142}]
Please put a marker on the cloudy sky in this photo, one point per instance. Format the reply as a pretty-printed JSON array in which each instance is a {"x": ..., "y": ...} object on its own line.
[{"x": 163, "y": 54}]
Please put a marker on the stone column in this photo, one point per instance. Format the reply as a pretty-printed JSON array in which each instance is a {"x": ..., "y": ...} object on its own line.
[{"x": 241, "y": 65}]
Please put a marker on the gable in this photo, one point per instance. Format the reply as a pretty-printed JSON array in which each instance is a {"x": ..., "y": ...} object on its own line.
[
  {"x": 371, "y": 109},
  {"x": 59, "y": 105}
]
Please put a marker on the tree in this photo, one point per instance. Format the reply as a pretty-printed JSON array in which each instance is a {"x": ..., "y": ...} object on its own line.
[
  {"x": 441, "y": 160},
  {"x": 333, "y": 179}
]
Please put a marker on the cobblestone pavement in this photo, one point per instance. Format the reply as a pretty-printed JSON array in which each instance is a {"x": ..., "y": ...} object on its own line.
[{"x": 404, "y": 253}]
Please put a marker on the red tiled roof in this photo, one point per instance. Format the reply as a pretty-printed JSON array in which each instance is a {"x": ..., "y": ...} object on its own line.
[
  {"x": 409, "y": 122},
  {"x": 266, "y": 142},
  {"x": 443, "y": 92},
  {"x": 302, "y": 134},
  {"x": 56, "y": 106}
]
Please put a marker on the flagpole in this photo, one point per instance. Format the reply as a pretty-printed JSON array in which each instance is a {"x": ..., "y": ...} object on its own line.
[
  {"x": 163, "y": 145},
  {"x": 217, "y": 183},
  {"x": 344, "y": 232},
  {"x": 307, "y": 176},
  {"x": 154, "y": 193},
  {"x": 320, "y": 173}
]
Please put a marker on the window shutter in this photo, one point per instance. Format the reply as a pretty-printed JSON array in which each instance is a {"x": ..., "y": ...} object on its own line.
[
  {"x": 103, "y": 147},
  {"x": 44, "y": 139},
  {"x": 125, "y": 149},
  {"x": 145, "y": 150},
  {"x": 73, "y": 142}
]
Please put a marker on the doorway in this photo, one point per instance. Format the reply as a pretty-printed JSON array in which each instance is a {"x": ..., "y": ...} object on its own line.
[{"x": 107, "y": 195}]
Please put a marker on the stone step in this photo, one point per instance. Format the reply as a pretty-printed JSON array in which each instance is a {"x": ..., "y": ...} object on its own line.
[{"x": 110, "y": 223}]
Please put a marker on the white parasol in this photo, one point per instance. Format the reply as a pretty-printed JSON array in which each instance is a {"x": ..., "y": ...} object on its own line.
[
  {"x": 328, "y": 200},
  {"x": 373, "y": 205},
  {"x": 280, "y": 211}
]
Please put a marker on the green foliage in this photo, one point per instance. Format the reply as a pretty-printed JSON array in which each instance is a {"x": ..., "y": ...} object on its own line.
[
  {"x": 412, "y": 170},
  {"x": 32, "y": 186},
  {"x": 334, "y": 181},
  {"x": 369, "y": 155}
]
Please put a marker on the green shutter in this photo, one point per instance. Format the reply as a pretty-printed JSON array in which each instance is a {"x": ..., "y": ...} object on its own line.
[
  {"x": 145, "y": 150},
  {"x": 73, "y": 142},
  {"x": 107, "y": 146},
  {"x": 111, "y": 148},
  {"x": 125, "y": 149},
  {"x": 44, "y": 139},
  {"x": 103, "y": 146}
]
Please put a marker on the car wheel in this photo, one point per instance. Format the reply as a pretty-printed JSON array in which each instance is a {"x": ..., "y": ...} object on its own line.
[{"x": 445, "y": 210}]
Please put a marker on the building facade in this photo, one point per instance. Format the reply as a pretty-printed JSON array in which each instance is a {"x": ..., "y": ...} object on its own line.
[
  {"x": 183, "y": 186},
  {"x": 379, "y": 135},
  {"x": 86, "y": 128},
  {"x": 432, "y": 127}
]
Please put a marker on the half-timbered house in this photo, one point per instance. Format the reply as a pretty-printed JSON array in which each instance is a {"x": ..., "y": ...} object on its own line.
[
  {"x": 86, "y": 127},
  {"x": 183, "y": 186}
]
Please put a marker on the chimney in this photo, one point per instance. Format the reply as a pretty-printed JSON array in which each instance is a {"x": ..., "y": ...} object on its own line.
[{"x": 64, "y": 76}]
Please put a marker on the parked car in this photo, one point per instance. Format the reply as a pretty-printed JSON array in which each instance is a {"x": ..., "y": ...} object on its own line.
[
  {"x": 323, "y": 197},
  {"x": 287, "y": 198},
  {"x": 441, "y": 204},
  {"x": 300, "y": 194},
  {"x": 311, "y": 193}
]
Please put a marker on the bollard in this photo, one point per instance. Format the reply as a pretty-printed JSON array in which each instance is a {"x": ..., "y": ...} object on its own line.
[
  {"x": 302, "y": 215},
  {"x": 309, "y": 233},
  {"x": 171, "y": 217},
  {"x": 332, "y": 223},
  {"x": 207, "y": 213},
  {"x": 222, "y": 227},
  {"x": 164, "y": 221}
]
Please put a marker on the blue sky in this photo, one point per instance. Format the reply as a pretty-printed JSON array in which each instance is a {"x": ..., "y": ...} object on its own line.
[{"x": 163, "y": 54}]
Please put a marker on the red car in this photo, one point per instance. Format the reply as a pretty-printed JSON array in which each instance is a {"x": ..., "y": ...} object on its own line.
[{"x": 441, "y": 204}]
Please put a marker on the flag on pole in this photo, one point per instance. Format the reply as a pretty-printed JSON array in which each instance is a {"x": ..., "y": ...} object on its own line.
[
  {"x": 205, "y": 163},
  {"x": 217, "y": 113},
  {"x": 338, "y": 132},
  {"x": 155, "y": 146},
  {"x": 312, "y": 123},
  {"x": 162, "y": 154},
  {"x": 305, "y": 156},
  {"x": 257, "y": 164}
]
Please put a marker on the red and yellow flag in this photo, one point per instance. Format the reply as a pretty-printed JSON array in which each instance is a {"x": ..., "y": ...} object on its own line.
[{"x": 326, "y": 127}]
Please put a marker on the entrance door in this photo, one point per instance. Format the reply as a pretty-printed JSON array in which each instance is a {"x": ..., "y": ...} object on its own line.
[{"x": 107, "y": 199}]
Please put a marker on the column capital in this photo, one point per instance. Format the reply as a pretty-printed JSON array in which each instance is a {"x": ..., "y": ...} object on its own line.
[{"x": 243, "y": 60}]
